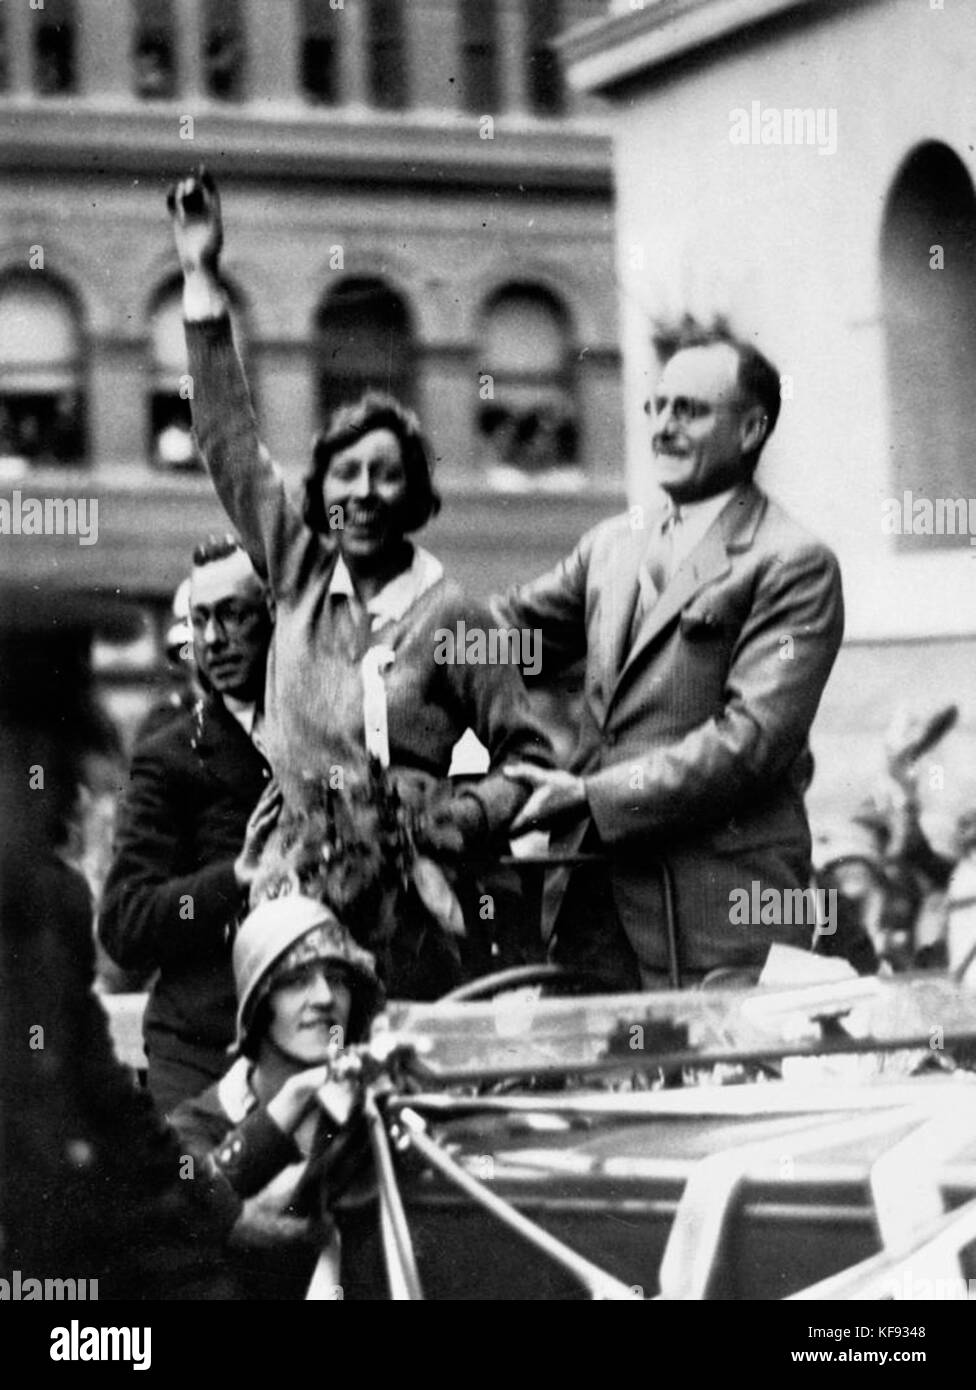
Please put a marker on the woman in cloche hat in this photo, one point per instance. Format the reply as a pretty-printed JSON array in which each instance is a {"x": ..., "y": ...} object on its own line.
[{"x": 305, "y": 990}]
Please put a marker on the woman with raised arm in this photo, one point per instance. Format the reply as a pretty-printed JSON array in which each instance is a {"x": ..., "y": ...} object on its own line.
[{"x": 347, "y": 580}]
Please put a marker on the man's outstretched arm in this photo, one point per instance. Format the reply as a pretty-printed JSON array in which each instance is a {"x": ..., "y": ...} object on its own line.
[{"x": 555, "y": 606}]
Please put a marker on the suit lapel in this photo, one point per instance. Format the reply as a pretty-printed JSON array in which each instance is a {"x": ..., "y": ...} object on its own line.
[
  {"x": 732, "y": 530},
  {"x": 227, "y": 752},
  {"x": 620, "y": 597}
]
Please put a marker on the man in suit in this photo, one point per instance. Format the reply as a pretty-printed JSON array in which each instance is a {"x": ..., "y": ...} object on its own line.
[
  {"x": 708, "y": 636},
  {"x": 179, "y": 878}
]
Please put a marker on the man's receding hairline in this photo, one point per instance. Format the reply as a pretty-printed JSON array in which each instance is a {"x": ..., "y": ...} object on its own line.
[
  {"x": 720, "y": 344},
  {"x": 248, "y": 572},
  {"x": 739, "y": 350},
  {"x": 709, "y": 347}
]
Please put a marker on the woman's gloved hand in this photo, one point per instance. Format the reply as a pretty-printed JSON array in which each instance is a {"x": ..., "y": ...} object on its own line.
[
  {"x": 266, "y": 1221},
  {"x": 198, "y": 233},
  {"x": 297, "y": 1096},
  {"x": 194, "y": 206}
]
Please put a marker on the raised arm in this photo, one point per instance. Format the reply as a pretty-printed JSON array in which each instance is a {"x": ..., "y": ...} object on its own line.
[{"x": 249, "y": 486}]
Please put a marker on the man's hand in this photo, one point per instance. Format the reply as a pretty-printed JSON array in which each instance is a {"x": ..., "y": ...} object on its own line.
[
  {"x": 194, "y": 205},
  {"x": 554, "y": 794},
  {"x": 262, "y": 822}
]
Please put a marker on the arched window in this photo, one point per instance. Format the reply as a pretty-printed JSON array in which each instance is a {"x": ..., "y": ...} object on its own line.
[
  {"x": 364, "y": 341},
  {"x": 54, "y": 48},
  {"x": 928, "y": 261},
  {"x": 479, "y": 53},
  {"x": 526, "y": 413},
  {"x": 387, "y": 55},
  {"x": 170, "y": 420},
  {"x": 153, "y": 49},
  {"x": 224, "y": 50},
  {"x": 42, "y": 396},
  {"x": 320, "y": 51},
  {"x": 546, "y": 92}
]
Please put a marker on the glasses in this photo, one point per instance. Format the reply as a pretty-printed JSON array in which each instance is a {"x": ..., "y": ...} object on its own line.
[
  {"x": 229, "y": 616},
  {"x": 685, "y": 410}
]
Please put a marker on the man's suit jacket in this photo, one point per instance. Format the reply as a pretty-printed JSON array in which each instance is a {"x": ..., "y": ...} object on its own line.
[
  {"x": 171, "y": 895},
  {"x": 693, "y": 743}
]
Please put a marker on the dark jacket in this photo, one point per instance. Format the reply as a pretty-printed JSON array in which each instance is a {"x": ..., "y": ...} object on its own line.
[
  {"x": 693, "y": 739},
  {"x": 92, "y": 1177},
  {"x": 171, "y": 899},
  {"x": 239, "y": 1148}
]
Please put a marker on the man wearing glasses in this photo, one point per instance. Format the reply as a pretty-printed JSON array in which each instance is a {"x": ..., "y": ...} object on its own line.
[
  {"x": 178, "y": 879},
  {"x": 708, "y": 634}
]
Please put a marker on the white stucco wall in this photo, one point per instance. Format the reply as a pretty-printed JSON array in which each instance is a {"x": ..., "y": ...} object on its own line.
[{"x": 786, "y": 241}]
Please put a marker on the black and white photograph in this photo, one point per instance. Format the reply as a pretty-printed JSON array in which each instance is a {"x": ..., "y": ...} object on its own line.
[{"x": 488, "y": 664}]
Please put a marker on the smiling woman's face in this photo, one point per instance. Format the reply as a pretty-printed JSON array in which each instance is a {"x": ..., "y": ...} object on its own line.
[
  {"x": 310, "y": 1010},
  {"x": 368, "y": 481}
]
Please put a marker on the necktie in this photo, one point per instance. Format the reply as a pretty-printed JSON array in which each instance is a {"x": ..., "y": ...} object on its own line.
[{"x": 655, "y": 569}]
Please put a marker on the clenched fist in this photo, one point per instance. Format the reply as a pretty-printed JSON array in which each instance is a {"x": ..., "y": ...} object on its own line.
[{"x": 194, "y": 206}]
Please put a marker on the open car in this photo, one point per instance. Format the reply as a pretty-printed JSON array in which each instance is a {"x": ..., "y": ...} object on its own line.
[{"x": 762, "y": 1143}]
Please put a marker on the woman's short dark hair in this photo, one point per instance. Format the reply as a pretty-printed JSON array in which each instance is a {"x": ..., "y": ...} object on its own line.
[
  {"x": 365, "y": 1003},
  {"x": 374, "y": 411}
]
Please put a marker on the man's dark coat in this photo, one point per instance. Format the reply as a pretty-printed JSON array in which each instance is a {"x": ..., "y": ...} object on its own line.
[{"x": 171, "y": 898}]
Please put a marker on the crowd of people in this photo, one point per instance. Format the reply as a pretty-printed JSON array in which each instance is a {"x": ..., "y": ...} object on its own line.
[
  {"x": 290, "y": 848},
  {"x": 902, "y": 903}
]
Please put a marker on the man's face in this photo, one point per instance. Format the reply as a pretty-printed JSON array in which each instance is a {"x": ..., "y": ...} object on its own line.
[
  {"x": 701, "y": 428},
  {"x": 310, "y": 1011},
  {"x": 368, "y": 482},
  {"x": 231, "y": 626}
]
